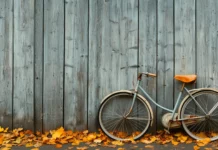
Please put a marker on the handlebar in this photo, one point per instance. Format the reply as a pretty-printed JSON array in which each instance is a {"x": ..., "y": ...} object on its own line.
[{"x": 146, "y": 74}]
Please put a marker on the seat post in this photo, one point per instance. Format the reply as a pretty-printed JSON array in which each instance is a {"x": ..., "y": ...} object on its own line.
[{"x": 183, "y": 85}]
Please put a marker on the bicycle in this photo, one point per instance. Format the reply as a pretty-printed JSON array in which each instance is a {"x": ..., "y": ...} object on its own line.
[{"x": 126, "y": 114}]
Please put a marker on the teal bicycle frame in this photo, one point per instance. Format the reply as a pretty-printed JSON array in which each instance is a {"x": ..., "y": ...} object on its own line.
[{"x": 178, "y": 101}]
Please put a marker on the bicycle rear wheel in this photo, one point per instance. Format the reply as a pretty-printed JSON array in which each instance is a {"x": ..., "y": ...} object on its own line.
[
  {"x": 114, "y": 122},
  {"x": 200, "y": 118}
]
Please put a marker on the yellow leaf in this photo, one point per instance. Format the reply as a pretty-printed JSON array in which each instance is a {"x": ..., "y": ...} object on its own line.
[
  {"x": 86, "y": 131},
  {"x": 182, "y": 138},
  {"x": 189, "y": 141},
  {"x": 203, "y": 142},
  {"x": 6, "y": 130},
  {"x": 1, "y": 129},
  {"x": 121, "y": 148},
  {"x": 5, "y": 148},
  {"x": 178, "y": 134},
  {"x": 91, "y": 136},
  {"x": 18, "y": 140},
  {"x": 58, "y": 146},
  {"x": 58, "y": 133},
  {"x": 8, "y": 145},
  {"x": 29, "y": 145},
  {"x": 82, "y": 148},
  {"x": 174, "y": 142},
  {"x": 97, "y": 140},
  {"x": 75, "y": 142},
  {"x": 119, "y": 143},
  {"x": 196, "y": 147},
  {"x": 35, "y": 149}
]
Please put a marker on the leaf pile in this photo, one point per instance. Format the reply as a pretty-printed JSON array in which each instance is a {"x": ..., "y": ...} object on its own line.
[{"x": 20, "y": 137}]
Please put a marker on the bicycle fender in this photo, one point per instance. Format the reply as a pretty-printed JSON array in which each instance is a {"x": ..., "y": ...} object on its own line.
[{"x": 132, "y": 92}]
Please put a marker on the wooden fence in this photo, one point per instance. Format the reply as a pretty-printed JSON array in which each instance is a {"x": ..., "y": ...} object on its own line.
[{"x": 59, "y": 58}]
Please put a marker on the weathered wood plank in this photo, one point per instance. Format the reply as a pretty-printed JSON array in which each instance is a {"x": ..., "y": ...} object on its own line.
[
  {"x": 76, "y": 56},
  {"x": 207, "y": 46},
  {"x": 6, "y": 52},
  {"x": 113, "y": 50},
  {"x": 185, "y": 54},
  {"x": 53, "y": 64},
  {"x": 165, "y": 57},
  {"x": 147, "y": 47},
  {"x": 23, "y": 101},
  {"x": 38, "y": 33}
]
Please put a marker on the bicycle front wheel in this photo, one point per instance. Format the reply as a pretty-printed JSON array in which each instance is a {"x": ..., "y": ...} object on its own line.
[
  {"x": 115, "y": 122},
  {"x": 200, "y": 116}
]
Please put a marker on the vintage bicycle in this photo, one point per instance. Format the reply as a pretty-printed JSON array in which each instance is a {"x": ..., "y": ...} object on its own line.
[{"x": 126, "y": 114}]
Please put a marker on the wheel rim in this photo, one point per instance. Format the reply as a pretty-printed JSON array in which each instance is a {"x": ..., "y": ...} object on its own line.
[
  {"x": 113, "y": 120},
  {"x": 202, "y": 124}
]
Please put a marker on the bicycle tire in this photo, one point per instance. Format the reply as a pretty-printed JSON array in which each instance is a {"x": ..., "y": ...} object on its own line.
[
  {"x": 200, "y": 124},
  {"x": 111, "y": 116}
]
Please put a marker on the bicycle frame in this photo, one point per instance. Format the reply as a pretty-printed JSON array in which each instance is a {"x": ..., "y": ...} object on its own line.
[{"x": 173, "y": 111}]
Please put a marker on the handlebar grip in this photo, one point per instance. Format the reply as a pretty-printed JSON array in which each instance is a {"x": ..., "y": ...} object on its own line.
[{"x": 151, "y": 74}]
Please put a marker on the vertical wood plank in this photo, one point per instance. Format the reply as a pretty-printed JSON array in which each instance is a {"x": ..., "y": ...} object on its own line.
[
  {"x": 38, "y": 64},
  {"x": 23, "y": 107},
  {"x": 113, "y": 50},
  {"x": 207, "y": 46},
  {"x": 185, "y": 54},
  {"x": 53, "y": 64},
  {"x": 147, "y": 47},
  {"x": 6, "y": 52},
  {"x": 76, "y": 55},
  {"x": 165, "y": 57}
]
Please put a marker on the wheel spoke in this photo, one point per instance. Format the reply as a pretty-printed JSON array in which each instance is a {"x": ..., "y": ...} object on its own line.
[{"x": 206, "y": 123}]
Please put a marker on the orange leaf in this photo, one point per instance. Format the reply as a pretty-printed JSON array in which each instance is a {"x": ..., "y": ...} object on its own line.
[
  {"x": 58, "y": 133},
  {"x": 119, "y": 143},
  {"x": 203, "y": 142},
  {"x": 35, "y": 149},
  {"x": 1, "y": 139},
  {"x": 58, "y": 145},
  {"x": 29, "y": 145},
  {"x": 196, "y": 147},
  {"x": 174, "y": 142}
]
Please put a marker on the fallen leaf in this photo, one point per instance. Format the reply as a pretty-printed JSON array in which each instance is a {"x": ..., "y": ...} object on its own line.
[
  {"x": 196, "y": 147},
  {"x": 58, "y": 145},
  {"x": 97, "y": 140},
  {"x": 149, "y": 146},
  {"x": 174, "y": 142},
  {"x": 82, "y": 148},
  {"x": 203, "y": 142},
  {"x": 118, "y": 143},
  {"x": 29, "y": 145}
]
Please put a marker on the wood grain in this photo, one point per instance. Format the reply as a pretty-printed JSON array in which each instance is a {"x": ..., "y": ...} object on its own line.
[
  {"x": 23, "y": 98},
  {"x": 6, "y": 62},
  {"x": 113, "y": 50},
  {"x": 185, "y": 52},
  {"x": 148, "y": 47},
  {"x": 165, "y": 60},
  {"x": 53, "y": 64},
  {"x": 76, "y": 56},
  {"x": 38, "y": 57}
]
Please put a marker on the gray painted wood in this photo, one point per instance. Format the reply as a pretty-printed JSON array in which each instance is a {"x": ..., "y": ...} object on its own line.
[
  {"x": 38, "y": 86},
  {"x": 113, "y": 50},
  {"x": 207, "y": 46},
  {"x": 185, "y": 54},
  {"x": 53, "y": 64},
  {"x": 6, "y": 62},
  {"x": 165, "y": 60},
  {"x": 147, "y": 47},
  {"x": 23, "y": 98},
  {"x": 76, "y": 56}
]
